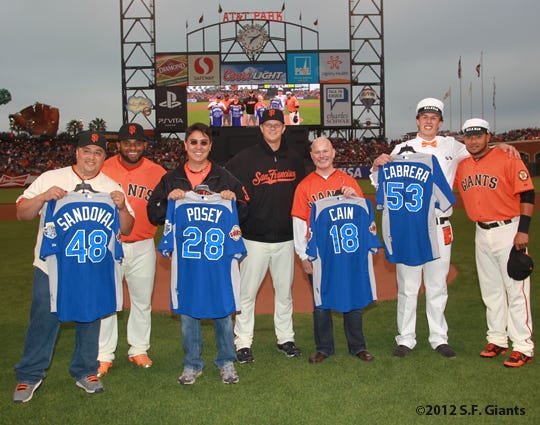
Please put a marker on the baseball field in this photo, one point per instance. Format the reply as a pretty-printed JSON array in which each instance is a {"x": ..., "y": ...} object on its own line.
[{"x": 422, "y": 388}]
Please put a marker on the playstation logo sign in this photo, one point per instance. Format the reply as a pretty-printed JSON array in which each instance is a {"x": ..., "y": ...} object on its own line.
[{"x": 171, "y": 101}]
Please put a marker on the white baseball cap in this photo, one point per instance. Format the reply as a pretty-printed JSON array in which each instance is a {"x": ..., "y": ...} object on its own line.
[
  {"x": 475, "y": 126},
  {"x": 430, "y": 104}
]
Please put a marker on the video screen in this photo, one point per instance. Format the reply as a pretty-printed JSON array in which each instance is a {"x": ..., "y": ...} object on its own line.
[{"x": 205, "y": 102}]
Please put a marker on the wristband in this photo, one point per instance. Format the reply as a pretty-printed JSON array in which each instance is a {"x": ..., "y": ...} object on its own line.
[{"x": 524, "y": 221}]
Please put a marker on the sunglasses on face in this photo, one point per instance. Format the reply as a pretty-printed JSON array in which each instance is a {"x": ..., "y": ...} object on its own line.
[{"x": 202, "y": 142}]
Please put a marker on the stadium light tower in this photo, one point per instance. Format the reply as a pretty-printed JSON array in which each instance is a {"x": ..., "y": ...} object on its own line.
[
  {"x": 367, "y": 62},
  {"x": 138, "y": 46}
]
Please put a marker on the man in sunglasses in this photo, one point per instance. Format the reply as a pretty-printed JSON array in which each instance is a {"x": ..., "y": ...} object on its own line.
[
  {"x": 199, "y": 171},
  {"x": 270, "y": 170}
]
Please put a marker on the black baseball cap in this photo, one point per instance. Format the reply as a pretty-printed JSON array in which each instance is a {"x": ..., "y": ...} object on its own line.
[
  {"x": 88, "y": 137},
  {"x": 520, "y": 265},
  {"x": 131, "y": 131},
  {"x": 272, "y": 115}
]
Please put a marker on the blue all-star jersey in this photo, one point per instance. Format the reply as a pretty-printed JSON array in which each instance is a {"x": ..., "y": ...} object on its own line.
[
  {"x": 81, "y": 246},
  {"x": 343, "y": 237},
  {"x": 202, "y": 234}
]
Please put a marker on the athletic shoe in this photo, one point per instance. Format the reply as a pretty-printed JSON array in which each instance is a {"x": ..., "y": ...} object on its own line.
[
  {"x": 446, "y": 351},
  {"x": 24, "y": 391},
  {"x": 103, "y": 369},
  {"x": 91, "y": 384},
  {"x": 289, "y": 349},
  {"x": 228, "y": 374},
  {"x": 493, "y": 350},
  {"x": 244, "y": 355},
  {"x": 517, "y": 359},
  {"x": 189, "y": 376},
  {"x": 401, "y": 351},
  {"x": 141, "y": 360}
]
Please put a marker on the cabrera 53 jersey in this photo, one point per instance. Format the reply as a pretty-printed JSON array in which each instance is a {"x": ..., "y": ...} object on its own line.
[
  {"x": 81, "y": 246},
  {"x": 409, "y": 189},
  {"x": 203, "y": 233},
  {"x": 342, "y": 239}
]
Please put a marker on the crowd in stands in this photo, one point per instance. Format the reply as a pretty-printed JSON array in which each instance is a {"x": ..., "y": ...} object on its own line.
[{"x": 20, "y": 156}]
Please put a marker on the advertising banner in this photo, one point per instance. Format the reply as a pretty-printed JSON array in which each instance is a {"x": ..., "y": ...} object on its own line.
[
  {"x": 171, "y": 109},
  {"x": 171, "y": 69},
  {"x": 335, "y": 67},
  {"x": 303, "y": 68},
  {"x": 203, "y": 70},
  {"x": 253, "y": 73},
  {"x": 337, "y": 105}
]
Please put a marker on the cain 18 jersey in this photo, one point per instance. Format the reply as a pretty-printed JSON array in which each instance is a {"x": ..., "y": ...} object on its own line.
[
  {"x": 203, "y": 236},
  {"x": 409, "y": 189},
  {"x": 80, "y": 245},
  {"x": 343, "y": 237}
]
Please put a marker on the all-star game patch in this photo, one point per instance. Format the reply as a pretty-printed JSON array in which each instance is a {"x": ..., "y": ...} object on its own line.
[
  {"x": 235, "y": 234},
  {"x": 523, "y": 175},
  {"x": 49, "y": 230}
]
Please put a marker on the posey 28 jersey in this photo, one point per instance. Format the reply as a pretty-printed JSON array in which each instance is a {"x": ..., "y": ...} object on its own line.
[
  {"x": 410, "y": 188},
  {"x": 342, "y": 240},
  {"x": 80, "y": 245},
  {"x": 203, "y": 233}
]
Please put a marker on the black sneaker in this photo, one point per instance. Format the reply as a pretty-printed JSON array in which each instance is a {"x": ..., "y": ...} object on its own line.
[
  {"x": 289, "y": 349},
  {"x": 401, "y": 351},
  {"x": 244, "y": 355},
  {"x": 446, "y": 351}
]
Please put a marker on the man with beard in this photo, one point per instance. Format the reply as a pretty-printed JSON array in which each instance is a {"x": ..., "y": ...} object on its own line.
[{"x": 138, "y": 176}]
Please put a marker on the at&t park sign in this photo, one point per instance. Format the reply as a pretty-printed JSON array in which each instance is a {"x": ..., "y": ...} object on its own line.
[{"x": 258, "y": 16}]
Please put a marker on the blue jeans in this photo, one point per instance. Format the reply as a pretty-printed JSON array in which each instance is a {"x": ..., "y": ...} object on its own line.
[
  {"x": 323, "y": 329},
  {"x": 41, "y": 338},
  {"x": 192, "y": 341}
]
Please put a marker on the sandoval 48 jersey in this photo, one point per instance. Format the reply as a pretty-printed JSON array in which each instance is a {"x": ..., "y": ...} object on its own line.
[
  {"x": 203, "y": 233},
  {"x": 409, "y": 189},
  {"x": 80, "y": 245},
  {"x": 342, "y": 239}
]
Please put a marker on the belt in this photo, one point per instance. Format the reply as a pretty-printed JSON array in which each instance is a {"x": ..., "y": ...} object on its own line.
[
  {"x": 442, "y": 220},
  {"x": 493, "y": 224}
]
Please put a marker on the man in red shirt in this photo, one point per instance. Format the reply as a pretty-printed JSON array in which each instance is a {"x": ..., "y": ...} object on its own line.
[{"x": 499, "y": 196}]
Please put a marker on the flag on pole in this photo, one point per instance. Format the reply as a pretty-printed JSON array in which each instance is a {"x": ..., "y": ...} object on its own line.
[
  {"x": 493, "y": 92},
  {"x": 219, "y": 8},
  {"x": 201, "y": 19},
  {"x": 478, "y": 69},
  {"x": 186, "y": 24},
  {"x": 283, "y": 7},
  {"x": 300, "y": 17},
  {"x": 459, "y": 68},
  {"x": 316, "y": 22},
  {"x": 448, "y": 93}
]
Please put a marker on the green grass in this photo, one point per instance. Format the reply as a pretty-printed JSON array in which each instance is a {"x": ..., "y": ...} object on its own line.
[
  {"x": 10, "y": 195},
  {"x": 274, "y": 389}
]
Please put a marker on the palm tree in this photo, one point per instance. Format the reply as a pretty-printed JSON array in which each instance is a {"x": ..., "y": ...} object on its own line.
[
  {"x": 98, "y": 124},
  {"x": 74, "y": 127}
]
